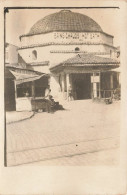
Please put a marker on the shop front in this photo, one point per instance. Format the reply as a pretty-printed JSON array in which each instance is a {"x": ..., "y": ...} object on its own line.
[{"x": 28, "y": 88}]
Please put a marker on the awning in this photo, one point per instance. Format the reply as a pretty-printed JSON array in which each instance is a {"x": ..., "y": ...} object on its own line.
[
  {"x": 24, "y": 78},
  {"x": 117, "y": 69}
]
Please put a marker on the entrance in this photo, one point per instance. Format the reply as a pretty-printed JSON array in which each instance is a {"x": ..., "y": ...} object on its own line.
[{"x": 81, "y": 86}]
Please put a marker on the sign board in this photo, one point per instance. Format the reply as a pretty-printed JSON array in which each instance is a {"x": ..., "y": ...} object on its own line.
[{"x": 95, "y": 79}]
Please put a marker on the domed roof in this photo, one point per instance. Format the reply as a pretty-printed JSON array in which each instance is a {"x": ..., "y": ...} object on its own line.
[{"x": 65, "y": 21}]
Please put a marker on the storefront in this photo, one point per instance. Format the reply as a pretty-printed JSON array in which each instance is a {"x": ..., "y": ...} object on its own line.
[{"x": 27, "y": 88}]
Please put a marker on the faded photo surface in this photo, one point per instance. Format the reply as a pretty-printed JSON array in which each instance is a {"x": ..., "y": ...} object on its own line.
[
  {"x": 63, "y": 97},
  {"x": 62, "y": 86}
]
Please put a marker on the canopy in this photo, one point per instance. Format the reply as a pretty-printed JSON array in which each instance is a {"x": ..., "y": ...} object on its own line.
[
  {"x": 23, "y": 78},
  {"x": 117, "y": 69}
]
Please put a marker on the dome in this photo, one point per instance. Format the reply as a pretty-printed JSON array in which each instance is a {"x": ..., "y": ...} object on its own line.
[{"x": 65, "y": 21}]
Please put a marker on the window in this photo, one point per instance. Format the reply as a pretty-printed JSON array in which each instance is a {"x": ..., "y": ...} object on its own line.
[
  {"x": 24, "y": 90},
  {"x": 34, "y": 54},
  {"x": 77, "y": 49}
]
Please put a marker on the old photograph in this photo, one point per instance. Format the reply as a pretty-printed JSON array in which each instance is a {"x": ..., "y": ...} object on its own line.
[{"x": 62, "y": 86}]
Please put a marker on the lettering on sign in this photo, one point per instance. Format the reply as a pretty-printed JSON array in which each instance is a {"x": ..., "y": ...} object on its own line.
[{"x": 80, "y": 36}]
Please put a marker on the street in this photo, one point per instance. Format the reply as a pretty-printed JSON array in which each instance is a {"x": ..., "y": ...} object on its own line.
[{"x": 85, "y": 133}]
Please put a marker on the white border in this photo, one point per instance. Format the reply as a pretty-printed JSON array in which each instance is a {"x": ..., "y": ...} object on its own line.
[{"x": 66, "y": 180}]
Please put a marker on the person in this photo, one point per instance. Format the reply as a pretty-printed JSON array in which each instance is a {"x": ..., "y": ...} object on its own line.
[
  {"x": 70, "y": 93},
  {"x": 49, "y": 100}
]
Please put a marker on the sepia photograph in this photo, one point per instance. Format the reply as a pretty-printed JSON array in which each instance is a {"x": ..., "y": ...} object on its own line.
[
  {"x": 63, "y": 99},
  {"x": 62, "y": 86}
]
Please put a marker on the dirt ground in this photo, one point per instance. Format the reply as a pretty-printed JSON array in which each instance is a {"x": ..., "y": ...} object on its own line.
[{"x": 85, "y": 133}]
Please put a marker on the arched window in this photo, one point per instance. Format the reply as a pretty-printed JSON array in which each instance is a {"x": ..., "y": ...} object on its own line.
[
  {"x": 34, "y": 54},
  {"x": 77, "y": 49}
]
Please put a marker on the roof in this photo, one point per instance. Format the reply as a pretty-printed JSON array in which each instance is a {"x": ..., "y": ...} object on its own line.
[
  {"x": 65, "y": 21},
  {"x": 24, "y": 78},
  {"x": 7, "y": 44},
  {"x": 87, "y": 60},
  {"x": 39, "y": 63}
]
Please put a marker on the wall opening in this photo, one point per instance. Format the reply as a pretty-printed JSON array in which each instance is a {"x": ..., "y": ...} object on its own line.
[
  {"x": 34, "y": 54},
  {"x": 77, "y": 49}
]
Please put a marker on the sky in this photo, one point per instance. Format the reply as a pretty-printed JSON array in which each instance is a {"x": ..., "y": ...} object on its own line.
[{"x": 19, "y": 21}]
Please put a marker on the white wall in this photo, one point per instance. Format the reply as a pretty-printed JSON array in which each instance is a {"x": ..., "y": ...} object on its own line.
[
  {"x": 106, "y": 39},
  {"x": 58, "y": 53},
  {"x": 43, "y": 69},
  {"x": 55, "y": 87},
  {"x": 66, "y": 37}
]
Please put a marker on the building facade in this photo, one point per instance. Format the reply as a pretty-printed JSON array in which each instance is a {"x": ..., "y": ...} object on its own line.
[
  {"x": 21, "y": 79},
  {"x": 75, "y": 51},
  {"x": 72, "y": 50}
]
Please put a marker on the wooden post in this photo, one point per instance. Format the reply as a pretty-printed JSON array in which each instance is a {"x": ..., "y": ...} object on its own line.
[
  {"x": 111, "y": 81},
  {"x": 33, "y": 89},
  {"x": 15, "y": 89},
  {"x": 119, "y": 78},
  {"x": 93, "y": 87},
  {"x": 104, "y": 93},
  {"x": 62, "y": 82},
  {"x": 99, "y": 85},
  {"x": 68, "y": 83}
]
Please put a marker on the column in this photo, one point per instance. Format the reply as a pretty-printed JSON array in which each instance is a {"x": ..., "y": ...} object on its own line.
[
  {"x": 68, "y": 83},
  {"x": 49, "y": 80},
  {"x": 111, "y": 81},
  {"x": 62, "y": 82},
  {"x": 33, "y": 89},
  {"x": 94, "y": 87},
  {"x": 111, "y": 84},
  {"x": 15, "y": 89},
  {"x": 95, "y": 90},
  {"x": 119, "y": 78},
  {"x": 99, "y": 85}
]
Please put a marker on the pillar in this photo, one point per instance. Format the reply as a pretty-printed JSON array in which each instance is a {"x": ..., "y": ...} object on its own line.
[
  {"x": 119, "y": 78},
  {"x": 95, "y": 90},
  {"x": 99, "y": 85},
  {"x": 111, "y": 81},
  {"x": 62, "y": 83},
  {"x": 33, "y": 89},
  {"x": 94, "y": 87},
  {"x": 68, "y": 83},
  {"x": 15, "y": 89},
  {"x": 111, "y": 84}
]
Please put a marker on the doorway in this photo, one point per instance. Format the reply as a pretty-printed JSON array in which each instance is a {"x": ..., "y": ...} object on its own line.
[{"x": 82, "y": 86}]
